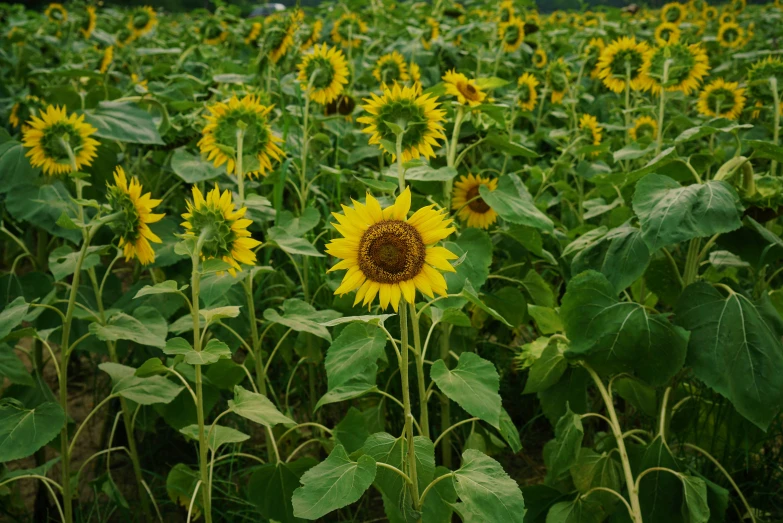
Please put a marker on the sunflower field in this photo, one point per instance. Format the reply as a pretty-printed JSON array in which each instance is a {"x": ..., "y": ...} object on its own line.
[{"x": 391, "y": 261}]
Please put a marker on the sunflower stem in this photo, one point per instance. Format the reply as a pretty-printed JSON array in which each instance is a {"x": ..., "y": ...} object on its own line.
[
  {"x": 773, "y": 83},
  {"x": 661, "y": 107},
  {"x": 453, "y": 152},
  {"x": 406, "y": 403},
  {"x": 400, "y": 168},
  {"x": 239, "y": 168},
  {"x": 305, "y": 140},
  {"x": 445, "y": 403},
  {"x": 424, "y": 415}
]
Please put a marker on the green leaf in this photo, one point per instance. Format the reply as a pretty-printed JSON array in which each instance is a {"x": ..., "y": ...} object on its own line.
[
  {"x": 299, "y": 225},
  {"x": 734, "y": 350},
  {"x": 361, "y": 383},
  {"x": 12, "y": 368},
  {"x": 357, "y": 347},
  {"x": 576, "y": 511},
  {"x": 486, "y": 491},
  {"x": 641, "y": 396},
  {"x": 181, "y": 483},
  {"x": 473, "y": 384},
  {"x": 193, "y": 168},
  {"x": 166, "y": 287},
  {"x": 669, "y": 213},
  {"x": 621, "y": 255},
  {"x": 538, "y": 289},
  {"x": 151, "y": 367},
  {"x": 123, "y": 122},
  {"x": 42, "y": 206},
  {"x": 546, "y": 371},
  {"x": 471, "y": 295},
  {"x": 513, "y": 202},
  {"x": 272, "y": 486},
  {"x": 12, "y": 316},
  {"x": 695, "y": 508},
  {"x": 292, "y": 244},
  {"x": 63, "y": 260},
  {"x": 352, "y": 430},
  {"x": 547, "y": 319},
  {"x": 694, "y": 133},
  {"x": 474, "y": 247},
  {"x": 145, "y": 327},
  {"x": 219, "y": 313},
  {"x": 568, "y": 437},
  {"x": 15, "y": 168},
  {"x": 302, "y": 317},
  {"x": 593, "y": 470},
  {"x": 440, "y": 500},
  {"x": 146, "y": 391},
  {"x": 24, "y": 431},
  {"x": 216, "y": 435},
  {"x": 616, "y": 336},
  {"x": 660, "y": 492},
  {"x": 258, "y": 408},
  {"x": 425, "y": 173},
  {"x": 333, "y": 484},
  {"x": 509, "y": 432},
  {"x": 373, "y": 319},
  {"x": 501, "y": 142},
  {"x": 765, "y": 149}
]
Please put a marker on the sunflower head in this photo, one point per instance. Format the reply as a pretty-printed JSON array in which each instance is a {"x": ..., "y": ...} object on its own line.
[
  {"x": 25, "y": 109},
  {"x": 431, "y": 34},
  {"x": 88, "y": 22},
  {"x": 133, "y": 226},
  {"x": 709, "y": 14},
  {"x": 252, "y": 33},
  {"x": 540, "y": 58},
  {"x": 673, "y": 13},
  {"x": 687, "y": 65},
  {"x": 526, "y": 91},
  {"x": 731, "y": 35},
  {"x": 470, "y": 207},
  {"x": 418, "y": 114},
  {"x": 56, "y": 13},
  {"x": 327, "y": 69},
  {"x": 52, "y": 133},
  {"x": 390, "y": 255},
  {"x": 512, "y": 34},
  {"x": 106, "y": 59},
  {"x": 737, "y": 6},
  {"x": 124, "y": 36},
  {"x": 391, "y": 68},
  {"x": 466, "y": 91},
  {"x": 506, "y": 11},
  {"x": 279, "y": 35},
  {"x": 313, "y": 35},
  {"x": 558, "y": 18},
  {"x": 644, "y": 129},
  {"x": 588, "y": 124},
  {"x": 620, "y": 63},
  {"x": 415, "y": 73},
  {"x": 347, "y": 28},
  {"x": 727, "y": 17},
  {"x": 342, "y": 105},
  {"x": 667, "y": 33},
  {"x": 722, "y": 99},
  {"x": 557, "y": 76},
  {"x": 142, "y": 20},
  {"x": 213, "y": 31},
  {"x": 758, "y": 79},
  {"x": 592, "y": 51},
  {"x": 219, "y": 138}
]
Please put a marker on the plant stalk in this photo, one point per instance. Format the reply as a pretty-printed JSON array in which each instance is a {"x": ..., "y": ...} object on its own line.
[{"x": 406, "y": 403}]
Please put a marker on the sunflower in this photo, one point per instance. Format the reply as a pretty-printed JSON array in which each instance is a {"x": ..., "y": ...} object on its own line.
[
  {"x": 50, "y": 133},
  {"x": 253, "y": 32},
  {"x": 56, "y": 13},
  {"x": 213, "y": 31},
  {"x": 389, "y": 255},
  {"x": 506, "y": 11},
  {"x": 758, "y": 79},
  {"x": 644, "y": 129},
  {"x": 108, "y": 56},
  {"x": 673, "y": 13},
  {"x": 731, "y": 35},
  {"x": 620, "y": 61},
  {"x": 710, "y": 14},
  {"x": 592, "y": 52},
  {"x": 224, "y": 228},
  {"x": 219, "y": 136},
  {"x": 133, "y": 229},
  {"x": 124, "y": 36},
  {"x": 557, "y": 76},
  {"x": 415, "y": 72},
  {"x": 558, "y": 18},
  {"x": 280, "y": 31},
  {"x": 88, "y": 22},
  {"x": 142, "y": 20},
  {"x": 347, "y": 28},
  {"x": 722, "y": 99},
  {"x": 139, "y": 82},
  {"x": 511, "y": 34},
  {"x": 737, "y": 6},
  {"x": 667, "y": 33},
  {"x": 434, "y": 28},
  {"x": 470, "y": 207},
  {"x": 391, "y": 68},
  {"x": 589, "y": 124},
  {"x": 539, "y": 58},
  {"x": 417, "y": 113},
  {"x": 689, "y": 64},
  {"x": 327, "y": 69},
  {"x": 466, "y": 91},
  {"x": 314, "y": 35},
  {"x": 26, "y": 109},
  {"x": 526, "y": 91},
  {"x": 727, "y": 17}
]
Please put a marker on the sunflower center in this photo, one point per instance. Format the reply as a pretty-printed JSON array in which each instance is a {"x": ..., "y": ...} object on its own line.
[
  {"x": 730, "y": 35},
  {"x": 468, "y": 90},
  {"x": 141, "y": 19},
  {"x": 512, "y": 34},
  {"x": 478, "y": 205},
  {"x": 212, "y": 31},
  {"x": 391, "y": 251},
  {"x": 56, "y": 136},
  {"x": 349, "y": 29},
  {"x": 524, "y": 92},
  {"x": 672, "y": 14}
]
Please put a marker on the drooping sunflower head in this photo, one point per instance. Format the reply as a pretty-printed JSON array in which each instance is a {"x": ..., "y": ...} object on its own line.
[
  {"x": 213, "y": 31},
  {"x": 327, "y": 69},
  {"x": 527, "y": 96},
  {"x": 506, "y": 11},
  {"x": 313, "y": 35},
  {"x": 279, "y": 35},
  {"x": 418, "y": 114},
  {"x": 25, "y": 109},
  {"x": 431, "y": 33},
  {"x": 391, "y": 68},
  {"x": 588, "y": 124},
  {"x": 467, "y": 201},
  {"x": 591, "y": 19},
  {"x": 133, "y": 227},
  {"x": 390, "y": 255},
  {"x": 731, "y": 35},
  {"x": 252, "y": 33},
  {"x": 106, "y": 59},
  {"x": 88, "y": 22},
  {"x": 466, "y": 91},
  {"x": 142, "y": 20},
  {"x": 667, "y": 33},
  {"x": 343, "y": 105},
  {"x": 722, "y": 99},
  {"x": 221, "y": 228},
  {"x": 56, "y": 13},
  {"x": 51, "y": 134},
  {"x": 644, "y": 129},
  {"x": 687, "y": 65},
  {"x": 557, "y": 76},
  {"x": 592, "y": 52},
  {"x": 673, "y": 13},
  {"x": 539, "y": 58},
  {"x": 512, "y": 34},
  {"x": 621, "y": 61},
  {"x": 347, "y": 28},
  {"x": 758, "y": 79},
  {"x": 124, "y": 36},
  {"x": 532, "y": 22},
  {"x": 227, "y": 121}
]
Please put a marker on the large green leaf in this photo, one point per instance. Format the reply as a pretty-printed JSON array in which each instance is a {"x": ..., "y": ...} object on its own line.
[
  {"x": 193, "y": 168},
  {"x": 146, "y": 391},
  {"x": 123, "y": 122},
  {"x": 145, "y": 327},
  {"x": 272, "y": 486},
  {"x": 15, "y": 168},
  {"x": 734, "y": 350},
  {"x": 12, "y": 368},
  {"x": 357, "y": 347},
  {"x": 476, "y": 247},
  {"x": 660, "y": 492},
  {"x": 303, "y": 317},
  {"x": 358, "y": 385},
  {"x": 332, "y": 484},
  {"x": 513, "y": 202},
  {"x": 63, "y": 260},
  {"x": 669, "y": 213},
  {"x": 257, "y": 407},
  {"x": 24, "y": 431},
  {"x": 216, "y": 435},
  {"x": 486, "y": 491},
  {"x": 593, "y": 470},
  {"x": 291, "y": 244},
  {"x": 621, "y": 255},
  {"x": 438, "y": 505},
  {"x": 576, "y": 511},
  {"x": 12, "y": 316},
  {"x": 616, "y": 336},
  {"x": 546, "y": 370},
  {"x": 473, "y": 384},
  {"x": 568, "y": 440},
  {"x": 695, "y": 507},
  {"x": 42, "y": 206}
]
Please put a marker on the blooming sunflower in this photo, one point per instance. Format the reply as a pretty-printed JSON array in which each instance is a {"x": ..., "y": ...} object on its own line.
[
  {"x": 557, "y": 76},
  {"x": 434, "y": 32},
  {"x": 27, "y": 108},
  {"x": 133, "y": 228},
  {"x": 526, "y": 91},
  {"x": 466, "y": 91},
  {"x": 737, "y": 6},
  {"x": 48, "y": 135},
  {"x": 667, "y": 33},
  {"x": 253, "y": 32},
  {"x": 589, "y": 124},
  {"x": 56, "y": 13},
  {"x": 472, "y": 209},
  {"x": 124, "y": 36},
  {"x": 142, "y": 20},
  {"x": 511, "y": 34},
  {"x": 89, "y": 20},
  {"x": 391, "y": 68},
  {"x": 280, "y": 31},
  {"x": 224, "y": 228},
  {"x": 558, "y": 18},
  {"x": 417, "y": 113},
  {"x": 539, "y": 58},
  {"x": 389, "y": 255},
  {"x": 731, "y": 35},
  {"x": 347, "y": 28},
  {"x": 710, "y": 14},
  {"x": 758, "y": 79},
  {"x": 415, "y": 72},
  {"x": 506, "y": 11},
  {"x": 213, "y": 31},
  {"x": 644, "y": 129},
  {"x": 592, "y": 52},
  {"x": 689, "y": 64},
  {"x": 722, "y": 99},
  {"x": 108, "y": 56},
  {"x": 726, "y": 17},
  {"x": 314, "y": 35},
  {"x": 620, "y": 61},
  {"x": 673, "y": 13},
  {"x": 328, "y": 71}
]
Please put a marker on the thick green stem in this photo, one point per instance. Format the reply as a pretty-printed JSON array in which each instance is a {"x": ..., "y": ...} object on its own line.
[
  {"x": 400, "y": 168},
  {"x": 661, "y": 107},
  {"x": 238, "y": 168},
  {"x": 691, "y": 262},
  {"x": 773, "y": 84},
  {"x": 451, "y": 159},
  {"x": 406, "y": 403},
  {"x": 445, "y": 404},
  {"x": 424, "y": 416}
]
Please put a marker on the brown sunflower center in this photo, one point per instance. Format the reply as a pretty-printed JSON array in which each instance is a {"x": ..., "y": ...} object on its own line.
[
  {"x": 478, "y": 205},
  {"x": 391, "y": 251},
  {"x": 468, "y": 90}
]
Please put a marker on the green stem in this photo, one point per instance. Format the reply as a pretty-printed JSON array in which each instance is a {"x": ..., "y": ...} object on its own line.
[
  {"x": 453, "y": 152},
  {"x": 661, "y": 107},
  {"x": 691, "y": 262},
  {"x": 406, "y": 403},
  {"x": 400, "y": 168},
  {"x": 773, "y": 84},
  {"x": 424, "y": 415},
  {"x": 238, "y": 168},
  {"x": 445, "y": 404}
]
